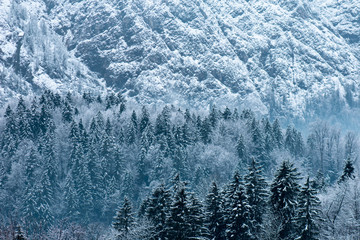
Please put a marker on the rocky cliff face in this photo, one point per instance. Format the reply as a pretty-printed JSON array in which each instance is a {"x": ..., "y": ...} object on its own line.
[{"x": 294, "y": 57}]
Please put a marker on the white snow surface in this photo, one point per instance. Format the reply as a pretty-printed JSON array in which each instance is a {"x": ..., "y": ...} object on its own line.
[{"x": 275, "y": 56}]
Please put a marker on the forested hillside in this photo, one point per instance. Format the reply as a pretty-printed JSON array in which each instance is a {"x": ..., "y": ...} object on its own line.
[{"x": 97, "y": 167}]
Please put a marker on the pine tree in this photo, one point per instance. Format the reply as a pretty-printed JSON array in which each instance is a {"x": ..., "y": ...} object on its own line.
[
  {"x": 205, "y": 131},
  {"x": 277, "y": 134},
  {"x": 227, "y": 114},
  {"x": 268, "y": 136},
  {"x": 37, "y": 203},
  {"x": 19, "y": 235},
  {"x": 22, "y": 116},
  {"x": 157, "y": 211},
  {"x": 241, "y": 152},
  {"x": 67, "y": 113},
  {"x": 131, "y": 134},
  {"x": 284, "y": 196},
  {"x": 238, "y": 218},
  {"x": 44, "y": 119},
  {"x": 236, "y": 209},
  {"x": 142, "y": 169},
  {"x": 258, "y": 150},
  {"x": 178, "y": 227},
  {"x": 196, "y": 218},
  {"x": 34, "y": 119},
  {"x": 214, "y": 117},
  {"x": 163, "y": 123},
  {"x": 9, "y": 138},
  {"x": 348, "y": 172},
  {"x": 47, "y": 146},
  {"x": 144, "y": 119},
  {"x": 124, "y": 219},
  {"x": 214, "y": 214},
  {"x": 257, "y": 196},
  {"x": 308, "y": 213},
  {"x": 71, "y": 199}
]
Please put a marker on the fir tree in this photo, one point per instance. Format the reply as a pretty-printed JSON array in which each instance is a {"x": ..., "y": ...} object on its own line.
[
  {"x": 19, "y": 235},
  {"x": 144, "y": 119},
  {"x": 277, "y": 134},
  {"x": 284, "y": 196},
  {"x": 67, "y": 113},
  {"x": 37, "y": 210},
  {"x": 214, "y": 214},
  {"x": 178, "y": 227},
  {"x": 9, "y": 138},
  {"x": 227, "y": 114},
  {"x": 308, "y": 213},
  {"x": 157, "y": 211},
  {"x": 257, "y": 196},
  {"x": 214, "y": 117},
  {"x": 238, "y": 218},
  {"x": 195, "y": 218},
  {"x": 241, "y": 151},
  {"x": 205, "y": 131},
  {"x": 163, "y": 124},
  {"x": 348, "y": 172},
  {"x": 124, "y": 219},
  {"x": 23, "y": 123},
  {"x": 258, "y": 150}
]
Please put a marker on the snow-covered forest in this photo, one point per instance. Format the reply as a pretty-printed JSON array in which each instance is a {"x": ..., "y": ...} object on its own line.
[{"x": 97, "y": 167}]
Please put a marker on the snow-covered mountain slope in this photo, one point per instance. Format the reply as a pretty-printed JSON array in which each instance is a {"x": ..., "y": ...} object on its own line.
[
  {"x": 34, "y": 57},
  {"x": 280, "y": 57}
]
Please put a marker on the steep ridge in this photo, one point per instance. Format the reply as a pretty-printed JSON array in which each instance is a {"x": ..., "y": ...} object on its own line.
[{"x": 33, "y": 57}]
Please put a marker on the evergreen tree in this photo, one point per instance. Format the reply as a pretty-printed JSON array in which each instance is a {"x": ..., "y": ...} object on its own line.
[
  {"x": 214, "y": 117},
  {"x": 241, "y": 151},
  {"x": 31, "y": 166},
  {"x": 235, "y": 115},
  {"x": 236, "y": 209},
  {"x": 47, "y": 146},
  {"x": 277, "y": 134},
  {"x": 348, "y": 172},
  {"x": 19, "y": 235},
  {"x": 23, "y": 123},
  {"x": 131, "y": 133},
  {"x": 258, "y": 149},
  {"x": 294, "y": 141},
  {"x": 71, "y": 199},
  {"x": 163, "y": 123},
  {"x": 178, "y": 227},
  {"x": 124, "y": 219},
  {"x": 38, "y": 200},
  {"x": 196, "y": 218},
  {"x": 9, "y": 138},
  {"x": 205, "y": 131},
  {"x": 142, "y": 169},
  {"x": 308, "y": 213},
  {"x": 157, "y": 210},
  {"x": 238, "y": 216},
  {"x": 88, "y": 97},
  {"x": 67, "y": 113},
  {"x": 257, "y": 195},
  {"x": 34, "y": 119},
  {"x": 144, "y": 119},
  {"x": 284, "y": 196},
  {"x": 227, "y": 114},
  {"x": 214, "y": 214},
  {"x": 268, "y": 136},
  {"x": 44, "y": 119}
]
